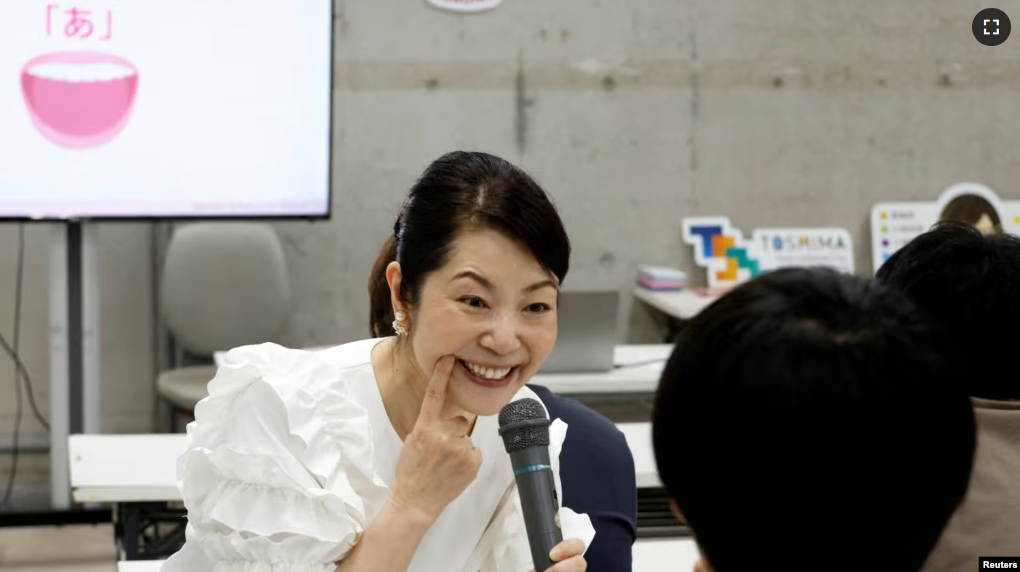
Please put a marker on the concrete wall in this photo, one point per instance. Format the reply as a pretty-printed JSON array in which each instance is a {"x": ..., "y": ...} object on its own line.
[
  {"x": 127, "y": 346},
  {"x": 632, "y": 114}
]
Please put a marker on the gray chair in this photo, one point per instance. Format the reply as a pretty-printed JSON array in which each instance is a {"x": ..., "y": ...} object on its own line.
[{"x": 224, "y": 285}]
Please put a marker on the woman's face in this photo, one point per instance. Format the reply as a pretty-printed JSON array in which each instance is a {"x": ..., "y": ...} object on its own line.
[{"x": 493, "y": 307}]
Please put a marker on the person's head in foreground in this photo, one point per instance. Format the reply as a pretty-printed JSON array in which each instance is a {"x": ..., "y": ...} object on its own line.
[
  {"x": 969, "y": 284},
  {"x": 811, "y": 420},
  {"x": 480, "y": 256}
]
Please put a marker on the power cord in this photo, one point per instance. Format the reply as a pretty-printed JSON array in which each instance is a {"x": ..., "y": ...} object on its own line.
[
  {"x": 12, "y": 352},
  {"x": 19, "y": 371}
]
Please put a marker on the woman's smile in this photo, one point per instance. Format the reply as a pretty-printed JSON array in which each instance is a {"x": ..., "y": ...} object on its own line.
[{"x": 488, "y": 376}]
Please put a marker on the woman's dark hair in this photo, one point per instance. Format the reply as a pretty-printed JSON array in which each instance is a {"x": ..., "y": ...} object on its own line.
[
  {"x": 464, "y": 191},
  {"x": 969, "y": 284},
  {"x": 380, "y": 311},
  {"x": 804, "y": 409},
  {"x": 969, "y": 209}
]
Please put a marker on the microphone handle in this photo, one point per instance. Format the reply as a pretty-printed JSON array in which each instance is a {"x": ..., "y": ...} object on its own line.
[{"x": 537, "y": 488}]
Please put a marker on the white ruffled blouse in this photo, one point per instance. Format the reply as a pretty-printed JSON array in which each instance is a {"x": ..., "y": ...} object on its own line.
[{"x": 292, "y": 455}]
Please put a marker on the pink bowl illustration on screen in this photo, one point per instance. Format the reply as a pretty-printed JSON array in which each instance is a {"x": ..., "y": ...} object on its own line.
[{"x": 79, "y": 99}]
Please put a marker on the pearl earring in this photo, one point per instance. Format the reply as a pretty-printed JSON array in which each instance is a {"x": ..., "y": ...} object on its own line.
[{"x": 397, "y": 326}]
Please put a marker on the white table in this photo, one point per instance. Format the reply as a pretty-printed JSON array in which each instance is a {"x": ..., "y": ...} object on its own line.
[
  {"x": 143, "y": 468},
  {"x": 637, "y": 369},
  {"x": 639, "y": 439},
  {"x": 682, "y": 305},
  {"x": 131, "y": 470},
  {"x": 137, "y": 474},
  {"x": 140, "y": 566},
  {"x": 665, "y": 555},
  {"x": 649, "y": 555},
  {"x": 125, "y": 468}
]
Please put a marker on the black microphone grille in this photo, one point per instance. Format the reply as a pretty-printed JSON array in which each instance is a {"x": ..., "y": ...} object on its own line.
[
  {"x": 521, "y": 410},
  {"x": 523, "y": 424}
]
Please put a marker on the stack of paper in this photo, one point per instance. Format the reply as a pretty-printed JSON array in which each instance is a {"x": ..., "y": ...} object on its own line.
[{"x": 660, "y": 278}]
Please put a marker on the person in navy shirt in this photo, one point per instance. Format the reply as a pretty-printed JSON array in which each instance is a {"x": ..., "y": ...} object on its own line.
[{"x": 596, "y": 465}]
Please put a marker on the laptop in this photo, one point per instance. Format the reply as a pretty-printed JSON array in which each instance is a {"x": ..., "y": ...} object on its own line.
[{"x": 587, "y": 332}]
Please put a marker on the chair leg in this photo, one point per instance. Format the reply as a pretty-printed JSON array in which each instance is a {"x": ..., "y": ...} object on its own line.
[
  {"x": 184, "y": 417},
  {"x": 171, "y": 420}
]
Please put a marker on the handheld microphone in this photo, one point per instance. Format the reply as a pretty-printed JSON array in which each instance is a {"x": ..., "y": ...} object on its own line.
[{"x": 525, "y": 430}]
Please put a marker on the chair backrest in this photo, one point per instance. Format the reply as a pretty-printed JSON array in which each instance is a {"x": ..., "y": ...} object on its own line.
[{"x": 224, "y": 285}]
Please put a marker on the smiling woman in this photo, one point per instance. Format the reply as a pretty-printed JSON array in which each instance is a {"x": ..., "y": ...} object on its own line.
[
  {"x": 593, "y": 446},
  {"x": 480, "y": 254},
  {"x": 385, "y": 454},
  {"x": 491, "y": 305}
]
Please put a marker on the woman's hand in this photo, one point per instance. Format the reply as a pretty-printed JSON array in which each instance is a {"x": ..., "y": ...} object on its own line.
[
  {"x": 438, "y": 460},
  {"x": 567, "y": 556}
]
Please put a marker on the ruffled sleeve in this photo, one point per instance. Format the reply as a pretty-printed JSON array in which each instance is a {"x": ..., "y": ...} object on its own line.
[
  {"x": 504, "y": 546},
  {"x": 277, "y": 475}
]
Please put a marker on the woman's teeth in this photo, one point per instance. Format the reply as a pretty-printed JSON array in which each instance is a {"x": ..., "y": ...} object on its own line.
[{"x": 487, "y": 372}]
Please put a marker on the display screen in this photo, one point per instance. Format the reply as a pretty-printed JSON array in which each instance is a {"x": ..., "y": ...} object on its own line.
[{"x": 165, "y": 108}]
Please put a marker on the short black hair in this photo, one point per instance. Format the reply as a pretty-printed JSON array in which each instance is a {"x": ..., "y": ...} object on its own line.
[
  {"x": 969, "y": 284},
  {"x": 813, "y": 415},
  {"x": 464, "y": 191}
]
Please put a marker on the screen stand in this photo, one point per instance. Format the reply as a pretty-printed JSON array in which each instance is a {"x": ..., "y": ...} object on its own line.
[{"x": 74, "y": 346}]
